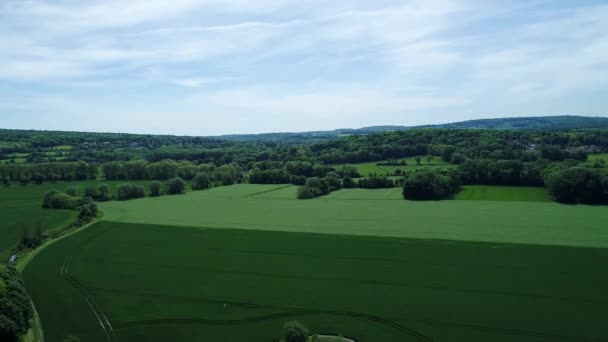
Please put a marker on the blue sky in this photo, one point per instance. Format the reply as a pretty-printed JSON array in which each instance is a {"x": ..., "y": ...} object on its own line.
[{"x": 209, "y": 67}]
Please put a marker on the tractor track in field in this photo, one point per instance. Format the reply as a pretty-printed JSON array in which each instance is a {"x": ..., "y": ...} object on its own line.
[
  {"x": 409, "y": 331},
  {"x": 64, "y": 272},
  {"x": 297, "y": 311},
  {"x": 288, "y": 312},
  {"x": 255, "y": 194},
  {"x": 95, "y": 307}
]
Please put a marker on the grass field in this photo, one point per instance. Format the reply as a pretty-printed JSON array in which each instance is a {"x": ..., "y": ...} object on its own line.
[
  {"x": 21, "y": 206},
  {"x": 365, "y": 169},
  {"x": 355, "y": 211},
  {"x": 503, "y": 193},
  {"x": 234, "y": 263},
  {"x": 187, "y": 284}
]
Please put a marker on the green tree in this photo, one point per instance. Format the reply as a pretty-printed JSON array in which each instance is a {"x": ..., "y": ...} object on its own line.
[
  {"x": 295, "y": 332},
  {"x": 104, "y": 192},
  {"x": 418, "y": 160},
  {"x": 156, "y": 188},
  {"x": 175, "y": 186},
  {"x": 201, "y": 181}
]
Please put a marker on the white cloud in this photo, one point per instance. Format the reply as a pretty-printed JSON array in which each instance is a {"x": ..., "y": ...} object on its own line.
[{"x": 287, "y": 64}]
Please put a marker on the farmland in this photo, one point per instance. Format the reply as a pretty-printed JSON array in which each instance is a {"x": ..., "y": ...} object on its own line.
[
  {"x": 516, "y": 222},
  {"x": 21, "y": 206},
  {"x": 365, "y": 169},
  {"x": 184, "y": 268}
]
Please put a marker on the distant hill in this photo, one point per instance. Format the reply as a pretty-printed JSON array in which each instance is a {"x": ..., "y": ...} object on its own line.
[{"x": 563, "y": 122}]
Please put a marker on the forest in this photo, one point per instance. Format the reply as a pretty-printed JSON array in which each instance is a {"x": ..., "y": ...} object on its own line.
[{"x": 557, "y": 160}]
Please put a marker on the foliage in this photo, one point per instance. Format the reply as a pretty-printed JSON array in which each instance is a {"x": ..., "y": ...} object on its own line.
[
  {"x": 201, "y": 181},
  {"x": 129, "y": 191},
  {"x": 430, "y": 185},
  {"x": 295, "y": 332},
  {"x": 175, "y": 186},
  {"x": 579, "y": 185},
  {"x": 156, "y": 188},
  {"x": 15, "y": 308}
]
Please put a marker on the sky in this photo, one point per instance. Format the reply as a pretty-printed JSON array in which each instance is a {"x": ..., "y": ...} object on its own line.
[{"x": 211, "y": 67}]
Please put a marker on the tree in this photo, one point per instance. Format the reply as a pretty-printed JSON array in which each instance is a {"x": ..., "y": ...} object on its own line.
[
  {"x": 175, "y": 186},
  {"x": 429, "y": 159},
  {"x": 68, "y": 177},
  {"x": 38, "y": 178},
  {"x": 333, "y": 181},
  {"x": 72, "y": 191},
  {"x": 91, "y": 191},
  {"x": 577, "y": 185},
  {"x": 201, "y": 181},
  {"x": 128, "y": 191},
  {"x": 104, "y": 192},
  {"x": 25, "y": 180},
  {"x": 457, "y": 158},
  {"x": 348, "y": 182},
  {"x": 430, "y": 185},
  {"x": 9, "y": 331},
  {"x": 418, "y": 160},
  {"x": 295, "y": 332},
  {"x": 6, "y": 181},
  {"x": 156, "y": 188}
]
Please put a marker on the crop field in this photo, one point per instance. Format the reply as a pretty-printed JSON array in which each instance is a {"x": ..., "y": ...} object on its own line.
[
  {"x": 365, "y": 169},
  {"x": 358, "y": 262},
  {"x": 21, "y": 206},
  {"x": 240, "y": 207},
  {"x": 503, "y": 193},
  {"x": 133, "y": 282}
]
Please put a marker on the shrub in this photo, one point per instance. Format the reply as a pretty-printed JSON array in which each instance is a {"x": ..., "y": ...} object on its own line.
[
  {"x": 129, "y": 191},
  {"x": 156, "y": 188},
  {"x": 295, "y": 332},
  {"x": 201, "y": 181},
  {"x": 175, "y": 186}
]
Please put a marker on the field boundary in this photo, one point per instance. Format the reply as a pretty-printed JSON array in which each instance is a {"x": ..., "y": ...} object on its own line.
[
  {"x": 36, "y": 333},
  {"x": 267, "y": 191}
]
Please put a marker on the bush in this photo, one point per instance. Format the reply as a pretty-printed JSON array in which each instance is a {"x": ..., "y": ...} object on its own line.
[
  {"x": 175, "y": 186},
  {"x": 91, "y": 191},
  {"x": 54, "y": 199},
  {"x": 103, "y": 193},
  {"x": 376, "y": 182},
  {"x": 72, "y": 191},
  {"x": 430, "y": 185},
  {"x": 202, "y": 181},
  {"x": 129, "y": 191},
  {"x": 156, "y": 188},
  {"x": 348, "y": 182},
  {"x": 295, "y": 332}
]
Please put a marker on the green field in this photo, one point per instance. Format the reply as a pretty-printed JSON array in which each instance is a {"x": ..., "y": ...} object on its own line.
[
  {"x": 234, "y": 263},
  {"x": 503, "y": 193},
  {"x": 239, "y": 207},
  {"x": 21, "y": 206},
  {"x": 365, "y": 169},
  {"x": 594, "y": 157}
]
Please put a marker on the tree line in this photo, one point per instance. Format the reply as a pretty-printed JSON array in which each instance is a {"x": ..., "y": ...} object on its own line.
[{"x": 16, "y": 309}]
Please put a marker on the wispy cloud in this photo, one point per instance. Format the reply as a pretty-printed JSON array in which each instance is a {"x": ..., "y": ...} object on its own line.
[{"x": 280, "y": 64}]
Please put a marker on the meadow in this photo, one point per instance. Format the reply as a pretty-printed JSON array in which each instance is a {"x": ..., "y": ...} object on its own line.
[
  {"x": 234, "y": 263},
  {"x": 357, "y": 212},
  {"x": 365, "y": 169},
  {"x": 21, "y": 206}
]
